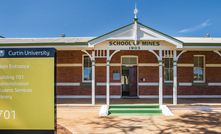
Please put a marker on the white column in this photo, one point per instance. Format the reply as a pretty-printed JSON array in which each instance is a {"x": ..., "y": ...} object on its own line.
[
  {"x": 160, "y": 78},
  {"x": 108, "y": 83},
  {"x": 93, "y": 78},
  {"x": 108, "y": 79},
  {"x": 174, "y": 78}
]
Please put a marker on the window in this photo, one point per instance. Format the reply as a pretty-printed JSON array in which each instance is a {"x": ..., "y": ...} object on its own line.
[
  {"x": 87, "y": 71},
  {"x": 129, "y": 60},
  {"x": 168, "y": 69},
  {"x": 198, "y": 69}
]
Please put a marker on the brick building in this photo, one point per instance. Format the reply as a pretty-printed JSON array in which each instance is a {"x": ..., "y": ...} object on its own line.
[{"x": 133, "y": 61}]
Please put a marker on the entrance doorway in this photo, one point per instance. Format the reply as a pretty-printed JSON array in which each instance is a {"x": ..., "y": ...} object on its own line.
[
  {"x": 129, "y": 76},
  {"x": 129, "y": 81}
]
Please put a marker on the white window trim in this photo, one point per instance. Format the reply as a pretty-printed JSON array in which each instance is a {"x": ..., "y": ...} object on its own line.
[
  {"x": 84, "y": 81},
  {"x": 167, "y": 81},
  {"x": 204, "y": 69}
]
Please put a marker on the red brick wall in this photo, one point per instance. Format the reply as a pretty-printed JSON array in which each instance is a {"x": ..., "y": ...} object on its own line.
[
  {"x": 69, "y": 74},
  {"x": 185, "y": 74},
  {"x": 74, "y": 56},
  {"x": 115, "y": 90},
  {"x": 213, "y": 74},
  {"x": 199, "y": 90},
  {"x": 100, "y": 74},
  {"x": 151, "y": 74},
  {"x": 73, "y": 90},
  {"x": 100, "y": 90},
  {"x": 148, "y": 90}
]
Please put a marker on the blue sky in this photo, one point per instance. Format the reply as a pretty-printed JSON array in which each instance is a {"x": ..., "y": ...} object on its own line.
[{"x": 91, "y": 18}]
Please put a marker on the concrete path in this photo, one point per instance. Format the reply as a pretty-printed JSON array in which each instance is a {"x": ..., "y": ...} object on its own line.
[
  {"x": 191, "y": 116},
  {"x": 85, "y": 120}
]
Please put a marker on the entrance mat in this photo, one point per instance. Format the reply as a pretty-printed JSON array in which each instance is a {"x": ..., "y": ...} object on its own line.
[{"x": 135, "y": 110}]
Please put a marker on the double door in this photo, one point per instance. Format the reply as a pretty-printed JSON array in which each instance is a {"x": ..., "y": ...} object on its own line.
[{"x": 129, "y": 81}]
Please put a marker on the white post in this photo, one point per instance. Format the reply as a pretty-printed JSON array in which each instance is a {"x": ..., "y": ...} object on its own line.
[
  {"x": 160, "y": 78},
  {"x": 174, "y": 78},
  {"x": 108, "y": 79},
  {"x": 135, "y": 31},
  {"x": 93, "y": 78}
]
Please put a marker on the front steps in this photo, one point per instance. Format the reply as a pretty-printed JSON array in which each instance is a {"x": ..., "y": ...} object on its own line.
[{"x": 135, "y": 110}]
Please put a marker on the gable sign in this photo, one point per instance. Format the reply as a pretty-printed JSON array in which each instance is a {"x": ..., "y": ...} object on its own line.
[{"x": 132, "y": 45}]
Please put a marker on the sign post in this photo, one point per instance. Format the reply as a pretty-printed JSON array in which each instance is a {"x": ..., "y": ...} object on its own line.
[{"x": 27, "y": 90}]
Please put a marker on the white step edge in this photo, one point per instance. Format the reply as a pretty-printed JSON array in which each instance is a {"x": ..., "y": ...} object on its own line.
[
  {"x": 166, "y": 111},
  {"x": 104, "y": 110}
]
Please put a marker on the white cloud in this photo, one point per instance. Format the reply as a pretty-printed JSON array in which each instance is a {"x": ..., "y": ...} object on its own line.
[{"x": 204, "y": 24}]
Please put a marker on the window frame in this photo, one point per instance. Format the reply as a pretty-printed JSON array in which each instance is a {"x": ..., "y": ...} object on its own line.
[
  {"x": 129, "y": 56},
  {"x": 204, "y": 69},
  {"x": 85, "y": 81},
  {"x": 167, "y": 81}
]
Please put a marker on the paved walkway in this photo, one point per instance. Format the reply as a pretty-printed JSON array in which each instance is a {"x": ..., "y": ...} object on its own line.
[
  {"x": 85, "y": 120},
  {"x": 191, "y": 116}
]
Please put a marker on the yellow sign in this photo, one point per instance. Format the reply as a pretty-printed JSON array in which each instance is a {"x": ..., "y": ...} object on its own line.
[{"x": 27, "y": 93}]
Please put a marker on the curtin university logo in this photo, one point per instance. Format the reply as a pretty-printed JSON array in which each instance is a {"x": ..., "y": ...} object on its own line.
[{"x": 2, "y": 53}]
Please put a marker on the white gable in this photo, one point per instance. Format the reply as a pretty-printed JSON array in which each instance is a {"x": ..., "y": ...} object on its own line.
[{"x": 129, "y": 32}]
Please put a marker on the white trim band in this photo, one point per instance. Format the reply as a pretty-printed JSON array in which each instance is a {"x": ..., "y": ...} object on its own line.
[
  {"x": 185, "y": 84},
  {"x": 213, "y": 65},
  {"x": 115, "y": 84},
  {"x": 101, "y": 84},
  {"x": 181, "y": 96},
  {"x": 214, "y": 84},
  {"x": 141, "y": 96},
  {"x": 68, "y": 84},
  {"x": 148, "y": 84},
  {"x": 115, "y": 64},
  {"x": 69, "y": 65},
  {"x": 111, "y": 84},
  {"x": 86, "y": 96},
  {"x": 148, "y": 64},
  {"x": 100, "y": 64},
  {"x": 185, "y": 65}
]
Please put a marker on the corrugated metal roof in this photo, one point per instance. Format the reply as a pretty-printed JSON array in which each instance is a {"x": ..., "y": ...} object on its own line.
[
  {"x": 85, "y": 39},
  {"x": 199, "y": 39},
  {"x": 44, "y": 40}
]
